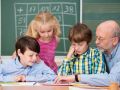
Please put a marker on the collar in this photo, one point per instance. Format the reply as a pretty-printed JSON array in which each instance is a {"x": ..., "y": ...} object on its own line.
[
  {"x": 113, "y": 53},
  {"x": 84, "y": 54},
  {"x": 18, "y": 64}
]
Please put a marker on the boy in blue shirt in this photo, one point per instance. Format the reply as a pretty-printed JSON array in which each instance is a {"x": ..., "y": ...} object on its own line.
[{"x": 24, "y": 67}]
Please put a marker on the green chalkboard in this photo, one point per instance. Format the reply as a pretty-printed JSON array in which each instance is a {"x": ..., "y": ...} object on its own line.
[
  {"x": 17, "y": 14},
  {"x": 96, "y": 11},
  {"x": 14, "y": 23}
]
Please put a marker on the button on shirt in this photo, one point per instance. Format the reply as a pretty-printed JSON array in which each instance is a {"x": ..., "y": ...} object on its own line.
[{"x": 105, "y": 79}]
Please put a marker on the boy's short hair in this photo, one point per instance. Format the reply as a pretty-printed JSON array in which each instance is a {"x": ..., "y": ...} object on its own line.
[
  {"x": 27, "y": 42},
  {"x": 80, "y": 32}
]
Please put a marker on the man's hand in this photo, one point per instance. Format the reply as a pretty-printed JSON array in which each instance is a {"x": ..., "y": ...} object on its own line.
[
  {"x": 64, "y": 79},
  {"x": 20, "y": 78}
]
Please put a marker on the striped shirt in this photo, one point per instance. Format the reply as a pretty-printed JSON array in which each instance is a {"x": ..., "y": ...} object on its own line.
[{"x": 90, "y": 62}]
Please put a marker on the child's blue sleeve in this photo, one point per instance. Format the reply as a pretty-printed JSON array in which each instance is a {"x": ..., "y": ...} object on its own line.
[
  {"x": 5, "y": 78},
  {"x": 41, "y": 73}
]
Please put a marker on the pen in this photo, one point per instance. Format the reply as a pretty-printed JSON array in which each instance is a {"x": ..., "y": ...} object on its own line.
[{"x": 35, "y": 83}]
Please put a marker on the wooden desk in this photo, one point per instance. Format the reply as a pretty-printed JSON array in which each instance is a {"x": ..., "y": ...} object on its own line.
[
  {"x": 41, "y": 87},
  {"x": 34, "y": 88}
]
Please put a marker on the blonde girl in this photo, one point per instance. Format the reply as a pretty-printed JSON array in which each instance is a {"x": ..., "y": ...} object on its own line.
[{"x": 46, "y": 29}]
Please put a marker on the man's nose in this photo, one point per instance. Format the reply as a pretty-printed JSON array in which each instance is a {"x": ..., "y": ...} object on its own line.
[{"x": 97, "y": 41}]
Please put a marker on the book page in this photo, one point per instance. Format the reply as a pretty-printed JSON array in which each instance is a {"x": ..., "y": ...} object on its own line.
[
  {"x": 16, "y": 83},
  {"x": 53, "y": 84}
]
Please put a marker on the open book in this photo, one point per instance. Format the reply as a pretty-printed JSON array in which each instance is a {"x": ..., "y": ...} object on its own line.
[
  {"x": 75, "y": 86},
  {"x": 51, "y": 84},
  {"x": 16, "y": 83}
]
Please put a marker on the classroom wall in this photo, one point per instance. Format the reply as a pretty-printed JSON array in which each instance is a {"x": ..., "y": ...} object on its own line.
[
  {"x": 94, "y": 11},
  {"x": 19, "y": 13}
]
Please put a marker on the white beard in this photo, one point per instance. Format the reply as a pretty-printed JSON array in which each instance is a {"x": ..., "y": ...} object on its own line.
[{"x": 101, "y": 49}]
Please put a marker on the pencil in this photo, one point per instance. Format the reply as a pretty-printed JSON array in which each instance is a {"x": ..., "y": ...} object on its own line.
[{"x": 35, "y": 83}]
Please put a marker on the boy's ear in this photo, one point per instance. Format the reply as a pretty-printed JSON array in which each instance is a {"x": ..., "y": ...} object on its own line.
[{"x": 19, "y": 52}]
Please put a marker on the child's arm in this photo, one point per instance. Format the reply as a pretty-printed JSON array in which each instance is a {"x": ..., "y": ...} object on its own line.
[
  {"x": 5, "y": 78},
  {"x": 65, "y": 68},
  {"x": 14, "y": 55},
  {"x": 0, "y": 59},
  {"x": 7, "y": 70},
  {"x": 41, "y": 73},
  {"x": 71, "y": 52}
]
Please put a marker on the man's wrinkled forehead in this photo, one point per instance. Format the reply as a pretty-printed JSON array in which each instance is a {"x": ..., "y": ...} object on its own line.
[{"x": 104, "y": 30}]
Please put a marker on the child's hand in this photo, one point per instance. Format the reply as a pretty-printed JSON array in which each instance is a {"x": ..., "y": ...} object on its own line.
[
  {"x": 64, "y": 79},
  {"x": 0, "y": 59},
  {"x": 14, "y": 55},
  {"x": 71, "y": 52},
  {"x": 20, "y": 78}
]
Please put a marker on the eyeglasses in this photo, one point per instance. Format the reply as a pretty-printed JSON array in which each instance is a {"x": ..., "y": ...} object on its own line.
[{"x": 100, "y": 38}]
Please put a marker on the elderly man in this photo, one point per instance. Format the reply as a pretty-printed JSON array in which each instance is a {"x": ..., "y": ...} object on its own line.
[{"x": 108, "y": 40}]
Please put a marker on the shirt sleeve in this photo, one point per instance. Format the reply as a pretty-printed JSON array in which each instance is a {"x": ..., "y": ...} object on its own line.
[
  {"x": 103, "y": 79},
  {"x": 42, "y": 74},
  {"x": 65, "y": 68},
  {"x": 5, "y": 78}
]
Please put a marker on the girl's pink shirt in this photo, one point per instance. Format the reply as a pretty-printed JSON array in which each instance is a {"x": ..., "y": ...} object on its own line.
[{"x": 47, "y": 53}]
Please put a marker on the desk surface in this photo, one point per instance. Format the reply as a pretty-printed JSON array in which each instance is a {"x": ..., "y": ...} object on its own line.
[
  {"x": 34, "y": 88},
  {"x": 40, "y": 88},
  {"x": 43, "y": 87}
]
